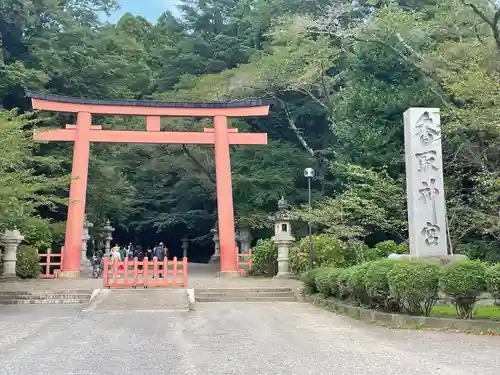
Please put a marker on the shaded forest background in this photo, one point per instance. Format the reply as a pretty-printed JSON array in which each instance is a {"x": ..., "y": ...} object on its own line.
[{"x": 341, "y": 73}]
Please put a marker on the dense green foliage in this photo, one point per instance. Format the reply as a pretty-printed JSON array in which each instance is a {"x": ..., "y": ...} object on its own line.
[
  {"x": 341, "y": 73},
  {"x": 492, "y": 276},
  {"x": 415, "y": 285},
  {"x": 27, "y": 264},
  {"x": 412, "y": 287},
  {"x": 327, "y": 251},
  {"x": 265, "y": 258},
  {"x": 464, "y": 281}
]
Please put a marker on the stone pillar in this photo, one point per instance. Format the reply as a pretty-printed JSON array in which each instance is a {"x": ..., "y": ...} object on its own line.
[
  {"x": 424, "y": 183},
  {"x": 84, "y": 262},
  {"x": 245, "y": 238},
  {"x": 283, "y": 238},
  {"x": 107, "y": 231},
  {"x": 215, "y": 238},
  {"x": 184, "y": 245},
  {"x": 10, "y": 240}
]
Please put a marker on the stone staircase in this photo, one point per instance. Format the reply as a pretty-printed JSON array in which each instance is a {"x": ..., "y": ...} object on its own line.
[
  {"x": 60, "y": 297},
  {"x": 139, "y": 300},
  {"x": 245, "y": 295}
]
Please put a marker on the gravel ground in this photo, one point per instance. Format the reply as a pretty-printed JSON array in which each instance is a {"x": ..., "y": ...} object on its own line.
[{"x": 229, "y": 338}]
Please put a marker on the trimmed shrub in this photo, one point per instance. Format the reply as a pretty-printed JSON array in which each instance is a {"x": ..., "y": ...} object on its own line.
[
  {"x": 334, "y": 281},
  {"x": 265, "y": 258},
  {"x": 463, "y": 282},
  {"x": 377, "y": 283},
  {"x": 343, "y": 283},
  {"x": 27, "y": 266},
  {"x": 415, "y": 285},
  {"x": 327, "y": 252},
  {"x": 322, "y": 281},
  {"x": 492, "y": 278},
  {"x": 326, "y": 281},
  {"x": 356, "y": 283},
  {"x": 385, "y": 248},
  {"x": 308, "y": 278}
]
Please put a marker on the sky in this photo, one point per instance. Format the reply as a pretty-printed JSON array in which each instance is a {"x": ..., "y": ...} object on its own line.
[{"x": 149, "y": 9}]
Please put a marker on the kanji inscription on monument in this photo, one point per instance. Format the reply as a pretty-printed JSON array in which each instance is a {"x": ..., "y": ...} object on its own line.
[{"x": 424, "y": 182}]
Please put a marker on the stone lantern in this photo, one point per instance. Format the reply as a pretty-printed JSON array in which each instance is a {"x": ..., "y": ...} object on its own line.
[
  {"x": 283, "y": 237},
  {"x": 10, "y": 240},
  {"x": 107, "y": 233},
  {"x": 86, "y": 236},
  {"x": 245, "y": 238},
  {"x": 215, "y": 238},
  {"x": 184, "y": 245}
]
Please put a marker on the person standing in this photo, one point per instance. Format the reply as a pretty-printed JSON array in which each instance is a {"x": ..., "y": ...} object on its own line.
[
  {"x": 115, "y": 256},
  {"x": 160, "y": 255}
]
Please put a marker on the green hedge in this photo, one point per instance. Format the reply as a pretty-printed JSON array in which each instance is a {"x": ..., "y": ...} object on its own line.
[
  {"x": 463, "y": 282},
  {"x": 328, "y": 251},
  {"x": 265, "y": 258},
  {"x": 409, "y": 286},
  {"x": 27, "y": 264},
  {"x": 414, "y": 285}
]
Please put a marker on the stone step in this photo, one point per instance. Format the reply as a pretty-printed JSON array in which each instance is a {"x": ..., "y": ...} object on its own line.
[
  {"x": 244, "y": 294},
  {"x": 46, "y": 292},
  {"x": 238, "y": 290},
  {"x": 244, "y": 299},
  {"x": 73, "y": 301},
  {"x": 45, "y": 297},
  {"x": 158, "y": 299}
]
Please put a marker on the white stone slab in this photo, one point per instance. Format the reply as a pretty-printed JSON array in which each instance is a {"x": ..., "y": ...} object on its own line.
[{"x": 424, "y": 182}]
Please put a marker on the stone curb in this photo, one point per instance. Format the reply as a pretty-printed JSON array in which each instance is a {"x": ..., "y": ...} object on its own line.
[{"x": 403, "y": 321}]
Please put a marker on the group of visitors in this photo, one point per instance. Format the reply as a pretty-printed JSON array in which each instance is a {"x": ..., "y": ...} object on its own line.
[{"x": 130, "y": 252}]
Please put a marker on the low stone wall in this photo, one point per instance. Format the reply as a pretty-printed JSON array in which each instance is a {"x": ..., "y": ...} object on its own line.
[{"x": 404, "y": 321}]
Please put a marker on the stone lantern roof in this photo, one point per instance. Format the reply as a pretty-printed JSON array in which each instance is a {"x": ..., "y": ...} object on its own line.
[{"x": 284, "y": 212}]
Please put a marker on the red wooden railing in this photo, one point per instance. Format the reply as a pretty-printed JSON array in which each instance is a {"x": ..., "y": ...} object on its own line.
[
  {"x": 51, "y": 264},
  {"x": 245, "y": 263},
  {"x": 145, "y": 273}
]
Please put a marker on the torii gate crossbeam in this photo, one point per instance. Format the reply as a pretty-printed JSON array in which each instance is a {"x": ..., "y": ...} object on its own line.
[{"x": 84, "y": 132}]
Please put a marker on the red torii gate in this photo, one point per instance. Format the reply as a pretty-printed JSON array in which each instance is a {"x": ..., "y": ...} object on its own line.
[{"x": 84, "y": 132}]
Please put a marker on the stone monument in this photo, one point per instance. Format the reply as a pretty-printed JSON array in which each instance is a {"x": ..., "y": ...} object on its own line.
[
  {"x": 184, "y": 246},
  {"x": 283, "y": 237},
  {"x": 215, "y": 238},
  {"x": 245, "y": 238},
  {"x": 425, "y": 185},
  {"x": 10, "y": 240}
]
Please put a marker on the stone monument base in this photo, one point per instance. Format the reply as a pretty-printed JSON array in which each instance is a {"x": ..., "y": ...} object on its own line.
[
  {"x": 229, "y": 274},
  {"x": 284, "y": 275},
  {"x": 441, "y": 259},
  {"x": 69, "y": 274}
]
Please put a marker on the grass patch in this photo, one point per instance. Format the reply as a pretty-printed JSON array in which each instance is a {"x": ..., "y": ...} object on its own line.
[{"x": 489, "y": 312}]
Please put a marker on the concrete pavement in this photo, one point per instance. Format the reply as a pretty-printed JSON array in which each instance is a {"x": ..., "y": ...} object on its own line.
[{"x": 229, "y": 338}]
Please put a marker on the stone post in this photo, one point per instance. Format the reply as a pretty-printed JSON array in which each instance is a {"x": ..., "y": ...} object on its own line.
[
  {"x": 215, "y": 238},
  {"x": 425, "y": 185},
  {"x": 184, "y": 245},
  {"x": 10, "y": 240},
  {"x": 283, "y": 237},
  {"x": 108, "y": 231},
  {"x": 245, "y": 238},
  {"x": 84, "y": 262}
]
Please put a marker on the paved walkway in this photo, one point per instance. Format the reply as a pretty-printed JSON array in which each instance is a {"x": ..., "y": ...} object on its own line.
[
  {"x": 200, "y": 276},
  {"x": 229, "y": 338}
]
